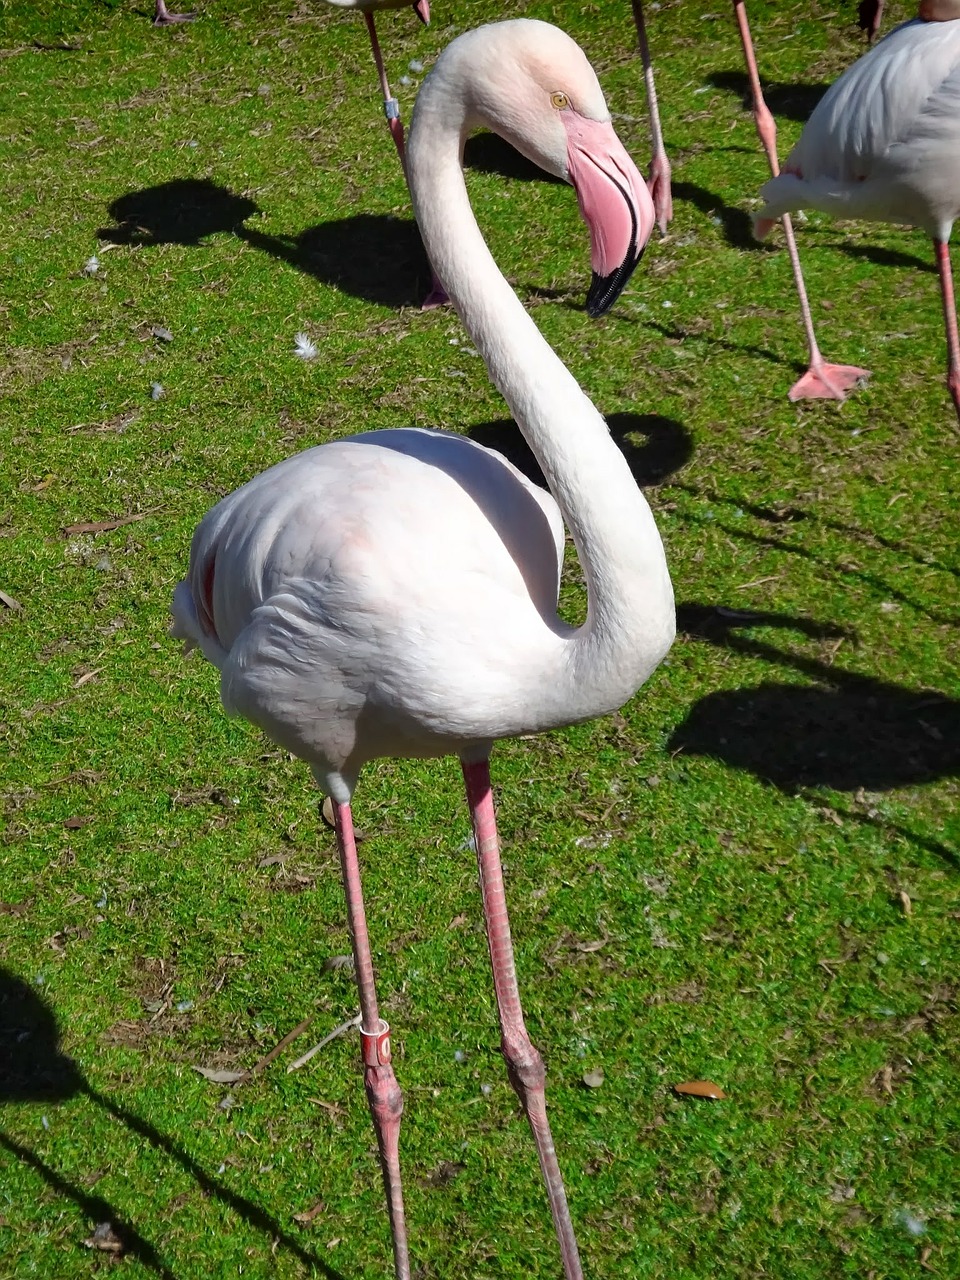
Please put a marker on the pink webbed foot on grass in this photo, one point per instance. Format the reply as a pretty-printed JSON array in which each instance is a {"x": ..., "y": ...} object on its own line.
[
  {"x": 828, "y": 382},
  {"x": 437, "y": 297},
  {"x": 162, "y": 18}
]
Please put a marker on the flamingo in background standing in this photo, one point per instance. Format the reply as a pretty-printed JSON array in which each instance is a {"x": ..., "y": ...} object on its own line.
[
  {"x": 883, "y": 143},
  {"x": 436, "y": 296},
  {"x": 822, "y": 381},
  {"x": 394, "y": 593}
]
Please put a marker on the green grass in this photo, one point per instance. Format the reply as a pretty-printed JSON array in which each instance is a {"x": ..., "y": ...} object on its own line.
[{"x": 765, "y": 841}]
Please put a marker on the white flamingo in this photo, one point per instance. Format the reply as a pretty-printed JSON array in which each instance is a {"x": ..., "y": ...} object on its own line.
[
  {"x": 883, "y": 144},
  {"x": 394, "y": 593},
  {"x": 822, "y": 380}
]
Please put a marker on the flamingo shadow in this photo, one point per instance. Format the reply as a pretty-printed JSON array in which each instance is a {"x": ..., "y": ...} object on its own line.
[
  {"x": 788, "y": 515},
  {"x": 654, "y": 447},
  {"x": 33, "y": 1068},
  {"x": 886, "y": 257},
  {"x": 943, "y": 618},
  {"x": 736, "y": 225},
  {"x": 376, "y": 257},
  {"x": 184, "y": 211},
  {"x": 846, "y": 732},
  {"x": 489, "y": 153},
  {"x": 792, "y": 101}
]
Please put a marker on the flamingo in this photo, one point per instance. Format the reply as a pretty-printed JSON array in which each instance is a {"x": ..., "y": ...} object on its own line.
[
  {"x": 437, "y": 296},
  {"x": 882, "y": 144},
  {"x": 394, "y": 593},
  {"x": 821, "y": 381}
]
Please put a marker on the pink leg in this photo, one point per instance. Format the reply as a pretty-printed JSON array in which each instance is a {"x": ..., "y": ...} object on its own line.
[
  {"x": 659, "y": 180},
  {"x": 524, "y": 1064},
  {"x": 162, "y": 18},
  {"x": 437, "y": 297},
  {"x": 869, "y": 15},
  {"x": 822, "y": 381},
  {"x": 383, "y": 1092},
  {"x": 950, "y": 321}
]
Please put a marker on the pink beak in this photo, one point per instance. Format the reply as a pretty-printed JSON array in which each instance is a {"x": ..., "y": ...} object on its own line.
[
  {"x": 422, "y": 9},
  {"x": 614, "y": 202}
]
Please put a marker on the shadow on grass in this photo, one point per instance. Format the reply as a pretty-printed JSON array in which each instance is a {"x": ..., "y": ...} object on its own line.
[
  {"x": 184, "y": 211},
  {"x": 881, "y": 257},
  {"x": 654, "y": 447},
  {"x": 847, "y": 732},
  {"x": 784, "y": 515},
  {"x": 489, "y": 153},
  {"x": 872, "y": 580},
  {"x": 737, "y": 348},
  {"x": 33, "y": 1068},
  {"x": 792, "y": 101},
  {"x": 737, "y": 225},
  {"x": 376, "y": 257}
]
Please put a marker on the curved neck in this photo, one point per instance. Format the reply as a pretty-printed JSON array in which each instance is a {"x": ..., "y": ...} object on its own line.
[{"x": 630, "y": 618}]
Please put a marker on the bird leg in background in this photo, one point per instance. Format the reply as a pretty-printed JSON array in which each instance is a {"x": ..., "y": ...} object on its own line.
[
  {"x": 869, "y": 14},
  {"x": 524, "y": 1064},
  {"x": 942, "y": 250},
  {"x": 659, "y": 180},
  {"x": 161, "y": 17},
  {"x": 822, "y": 381},
  {"x": 383, "y": 1092},
  {"x": 437, "y": 297}
]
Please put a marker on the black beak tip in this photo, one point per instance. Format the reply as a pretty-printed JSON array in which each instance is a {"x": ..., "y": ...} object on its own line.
[{"x": 605, "y": 290}]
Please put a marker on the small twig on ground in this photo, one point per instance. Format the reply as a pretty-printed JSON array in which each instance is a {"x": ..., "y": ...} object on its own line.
[
  {"x": 277, "y": 1049},
  {"x": 337, "y": 1031}
]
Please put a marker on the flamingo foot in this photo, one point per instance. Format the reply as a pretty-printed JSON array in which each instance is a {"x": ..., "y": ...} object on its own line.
[
  {"x": 658, "y": 184},
  {"x": 163, "y": 18},
  {"x": 437, "y": 297},
  {"x": 824, "y": 381}
]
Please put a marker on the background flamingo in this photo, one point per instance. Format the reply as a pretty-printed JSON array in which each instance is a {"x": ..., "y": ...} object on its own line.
[
  {"x": 821, "y": 380},
  {"x": 883, "y": 144},
  {"x": 395, "y": 593}
]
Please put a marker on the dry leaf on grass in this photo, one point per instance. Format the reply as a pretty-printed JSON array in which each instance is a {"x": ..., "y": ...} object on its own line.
[
  {"x": 220, "y": 1077},
  {"x": 106, "y": 526},
  {"x": 699, "y": 1089},
  {"x": 308, "y": 1215}
]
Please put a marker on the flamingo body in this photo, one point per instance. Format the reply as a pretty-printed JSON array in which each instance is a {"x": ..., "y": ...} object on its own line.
[
  {"x": 882, "y": 144},
  {"x": 389, "y": 594}
]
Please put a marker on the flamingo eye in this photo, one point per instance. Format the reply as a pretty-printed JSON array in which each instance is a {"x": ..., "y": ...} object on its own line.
[{"x": 560, "y": 100}]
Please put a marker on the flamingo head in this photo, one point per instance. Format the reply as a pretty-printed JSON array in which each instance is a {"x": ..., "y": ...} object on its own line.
[
  {"x": 529, "y": 82},
  {"x": 422, "y": 9}
]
